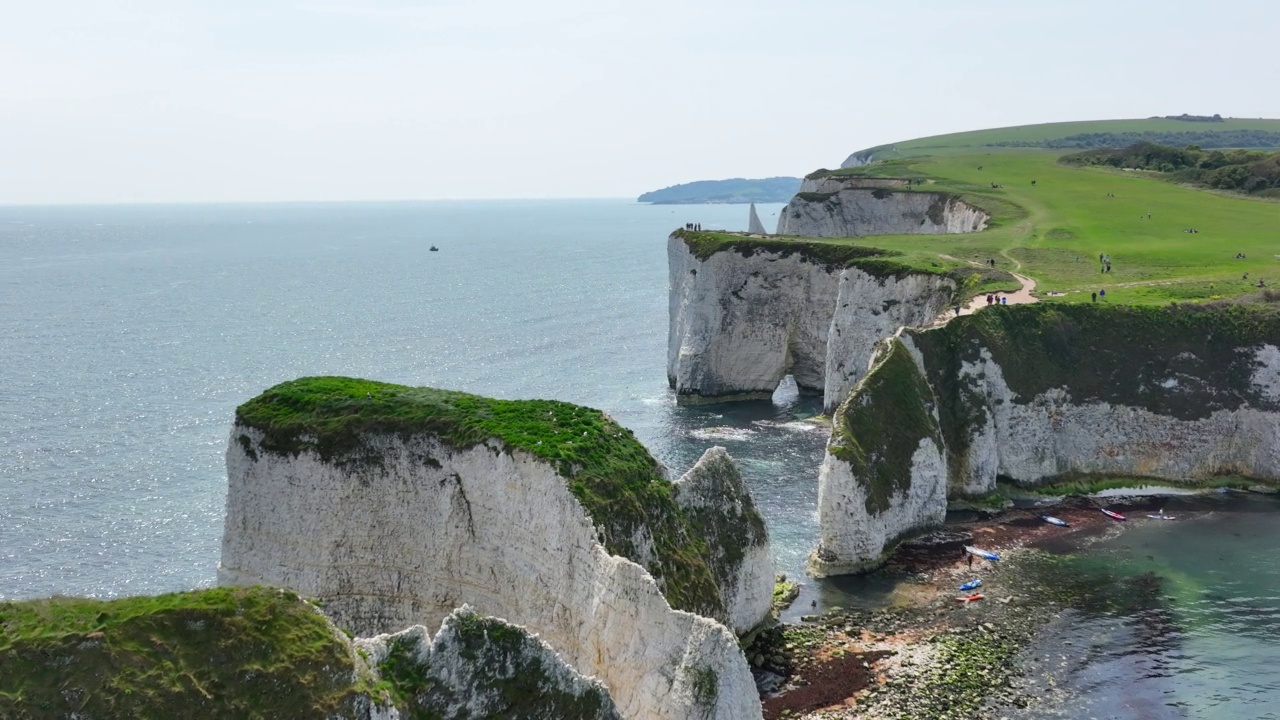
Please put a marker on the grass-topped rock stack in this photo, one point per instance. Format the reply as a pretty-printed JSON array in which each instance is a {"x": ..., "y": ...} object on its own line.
[
  {"x": 395, "y": 505},
  {"x": 884, "y": 473}
]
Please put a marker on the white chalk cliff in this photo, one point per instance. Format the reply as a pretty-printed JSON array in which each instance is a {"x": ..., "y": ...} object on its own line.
[
  {"x": 1039, "y": 394},
  {"x": 855, "y": 210},
  {"x": 744, "y": 318},
  {"x": 430, "y": 527}
]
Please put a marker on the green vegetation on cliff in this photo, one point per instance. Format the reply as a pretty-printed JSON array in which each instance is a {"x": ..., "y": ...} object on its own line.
[
  {"x": 840, "y": 253},
  {"x": 1053, "y": 220},
  {"x": 611, "y": 473},
  {"x": 1085, "y": 134},
  {"x": 878, "y": 429},
  {"x": 1185, "y": 361},
  {"x": 225, "y": 652}
]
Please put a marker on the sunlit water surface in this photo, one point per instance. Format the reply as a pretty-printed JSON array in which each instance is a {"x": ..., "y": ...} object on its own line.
[{"x": 129, "y": 334}]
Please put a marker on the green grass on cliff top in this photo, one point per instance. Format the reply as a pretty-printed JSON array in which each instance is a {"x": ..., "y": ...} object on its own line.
[
  {"x": 621, "y": 486},
  {"x": 1054, "y": 230},
  {"x": 223, "y": 652},
  {"x": 966, "y": 142}
]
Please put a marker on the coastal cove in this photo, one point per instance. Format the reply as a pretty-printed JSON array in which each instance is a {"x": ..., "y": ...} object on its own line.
[{"x": 137, "y": 331}]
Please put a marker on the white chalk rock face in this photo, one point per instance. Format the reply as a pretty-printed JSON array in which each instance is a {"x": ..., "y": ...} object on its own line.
[
  {"x": 880, "y": 482},
  {"x": 854, "y": 211},
  {"x": 1173, "y": 395},
  {"x": 430, "y": 527},
  {"x": 743, "y": 319},
  {"x": 1033, "y": 439},
  {"x": 827, "y": 184},
  {"x": 716, "y": 500},
  {"x": 482, "y": 667},
  {"x": 855, "y": 539}
]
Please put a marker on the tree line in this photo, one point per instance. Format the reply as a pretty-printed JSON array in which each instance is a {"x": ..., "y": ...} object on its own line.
[{"x": 1252, "y": 172}]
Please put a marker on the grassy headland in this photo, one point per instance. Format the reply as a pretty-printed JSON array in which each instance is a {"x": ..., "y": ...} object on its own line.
[{"x": 1052, "y": 220}]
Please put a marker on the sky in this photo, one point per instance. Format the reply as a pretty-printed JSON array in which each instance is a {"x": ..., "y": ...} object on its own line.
[{"x": 182, "y": 101}]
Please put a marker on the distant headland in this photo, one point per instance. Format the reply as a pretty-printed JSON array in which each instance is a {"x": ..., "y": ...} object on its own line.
[{"x": 731, "y": 191}]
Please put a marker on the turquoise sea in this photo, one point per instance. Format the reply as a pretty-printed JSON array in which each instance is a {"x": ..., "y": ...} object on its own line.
[{"x": 128, "y": 334}]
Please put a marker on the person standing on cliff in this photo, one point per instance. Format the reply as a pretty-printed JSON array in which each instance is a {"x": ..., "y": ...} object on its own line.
[{"x": 1095, "y": 297}]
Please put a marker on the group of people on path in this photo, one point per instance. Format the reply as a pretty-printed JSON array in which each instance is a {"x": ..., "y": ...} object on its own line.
[{"x": 1104, "y": 263}]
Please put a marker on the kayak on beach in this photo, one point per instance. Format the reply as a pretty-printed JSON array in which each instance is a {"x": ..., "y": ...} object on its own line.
[
  {"x": 970, "y": 598},
  {"x": 1054, "y": 521},
  {"x": 979, "y": 552},
  {"x": 971, "y": 585},
  {"x": 1112, "y": 514}
]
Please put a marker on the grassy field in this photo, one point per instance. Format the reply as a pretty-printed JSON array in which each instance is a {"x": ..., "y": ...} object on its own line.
[
  {"x": 1071, "y": 216},
  {"x": 964, "y": 142},
  {"x": 1054, "y": 230}
]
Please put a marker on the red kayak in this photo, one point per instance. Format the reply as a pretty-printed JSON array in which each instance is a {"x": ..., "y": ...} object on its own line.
[
  {"x": 1112, "y": 514},
  {"x": 969, "y": 598}
]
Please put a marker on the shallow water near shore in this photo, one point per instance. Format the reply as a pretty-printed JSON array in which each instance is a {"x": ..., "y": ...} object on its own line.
[{"x": 1186, "y": 622}]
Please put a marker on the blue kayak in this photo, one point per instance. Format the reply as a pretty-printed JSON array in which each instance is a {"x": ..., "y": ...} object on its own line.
[
  {"x": 971, "y": 584},
  {"x": 1054, "y": 521},
  {"x": 979, "y": 552}
]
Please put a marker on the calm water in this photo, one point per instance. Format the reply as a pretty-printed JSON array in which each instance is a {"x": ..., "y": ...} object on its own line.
[
  {"x": 1183, "y": 620},
  {"x": 129, "y": 334}
]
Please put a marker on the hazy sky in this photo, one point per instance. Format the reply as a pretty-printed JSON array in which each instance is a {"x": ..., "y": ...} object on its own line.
[{"x": 340, "y": 100}]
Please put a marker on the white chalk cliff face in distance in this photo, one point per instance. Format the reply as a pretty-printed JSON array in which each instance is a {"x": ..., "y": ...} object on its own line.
[
  {"x": 433, "y": 527},
  {"x": 860, "y": 208},
  {"x": 741, "y": 320}
]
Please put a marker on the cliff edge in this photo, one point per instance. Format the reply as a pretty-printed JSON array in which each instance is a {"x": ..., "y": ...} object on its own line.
[
  {"x": 852, "y": 207},
  {"x": 1036, "y": 394},
  {"x": 745, "y": 312},
  {"x": 396, "y": 505}
]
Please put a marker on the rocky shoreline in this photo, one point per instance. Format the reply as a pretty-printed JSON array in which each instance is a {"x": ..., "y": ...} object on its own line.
[{"x": 925, "y": 654}]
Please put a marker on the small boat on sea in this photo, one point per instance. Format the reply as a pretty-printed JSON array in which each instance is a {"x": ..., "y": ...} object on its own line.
[
  {"x": 979, "y": 552},
  {"x": 1112, "y": 514},
  {"x": 971, "y": 585},
  {"x": 970, "y": 598},
  {"x": 433, "y": 248},
  {"x": 1054, "y": 521}
]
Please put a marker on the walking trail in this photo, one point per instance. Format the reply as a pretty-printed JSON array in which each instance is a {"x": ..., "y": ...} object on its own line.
[{"x": 1021, "y": 296}]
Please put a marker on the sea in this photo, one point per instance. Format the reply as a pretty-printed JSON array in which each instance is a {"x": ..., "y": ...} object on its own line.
[{"x": 129, "y": 334}]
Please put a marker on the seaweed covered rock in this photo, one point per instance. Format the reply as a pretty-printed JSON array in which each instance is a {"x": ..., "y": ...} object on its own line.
[
  {"x": 883, "y": 477},
  {"x": 397, "y": 505},
  {"x": 481, "y": 667}
]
